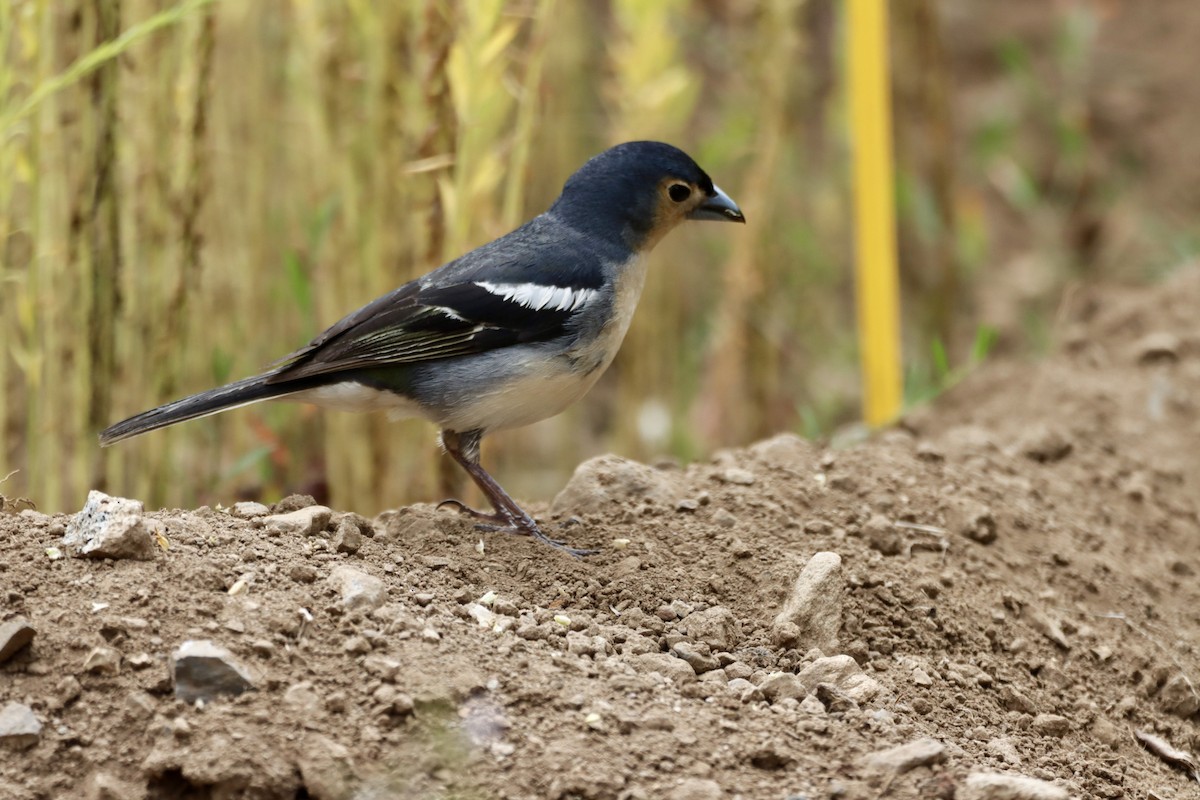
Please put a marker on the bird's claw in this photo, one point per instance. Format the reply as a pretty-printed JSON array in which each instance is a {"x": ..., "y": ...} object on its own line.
[{"x": 524, "y": 525}]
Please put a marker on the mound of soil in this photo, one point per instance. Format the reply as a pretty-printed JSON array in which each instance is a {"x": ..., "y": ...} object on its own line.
[{"x": 1013, "y": 596}]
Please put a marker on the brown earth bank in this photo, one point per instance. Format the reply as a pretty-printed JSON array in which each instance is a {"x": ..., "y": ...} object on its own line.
[{"x": 1007, "y": 587}]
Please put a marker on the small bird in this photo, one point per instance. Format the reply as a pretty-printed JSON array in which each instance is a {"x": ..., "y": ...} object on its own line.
[{"x": 509, "y": 334}]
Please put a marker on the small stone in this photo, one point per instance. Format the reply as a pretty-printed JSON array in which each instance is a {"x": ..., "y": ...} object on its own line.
[
  {"x": 97, "y": 512},
  {"x": 1049, "y": 627},
  {"x": 247, "y": 509},
  {"x": 716, "y": 626},
  {"x": 1045, "y": 444},
  {"x": 430, "y": 634},
  {"x": 139, "y": 661},
  {"x": 921, "y": 678},
  {"x": 724, "y": 518},
  {"x": 202, "y": 670},
  {"x": 382, "y": 666},
  {"x": 842, "y": 672},
  {"x": 123, "y": 537},
  {"x": 105, "y": 786},
  {"x": 327, "y": 769},
  {"x": 1013, "y": 700},
  {"x": 696, "y": 789},
  {"x": 482, "y": 615},
  {"x": 602, "y": 483},
  {"x": 1179, "y": 697},
  {"x": 19, "y": 727},
  {"x": 348, "y": 538},
  {"x": 738, "y": 476},
  {"x": 67, "y": 691},
  {"x": 882, "y": 535},
  {"x": 303, "y": 573},
  {"x": 666, "y": 665},
  {"x": 357, "y": 645},
  {"x": 15, "y": 634},
  {"x": 902, "y": 758},
  {"x": 1051, "y": 725},
  {"x": 744, "y": 690},
  {"x": 975, "y": 521},
  {"x": 1006, "y": 750},
  {"x": 360, "y": 591},
  {"x": 294, "y": 502},
  {"x": 307, "y": 521},
  {"x": 687, "y": 504},
  {"x": 812, "y": 614},
  {"x": 423, "y": 598},
  {"x": 697, "y": 656},
  {"x": 812, "y": 705},
  {"x": 999, "y": 786},
  {"x": 302, "y": 697},
  {"x": 780, "y": 685},
  {"x": 102, "y": 661},
  {"x": 1159, "y": 346}
]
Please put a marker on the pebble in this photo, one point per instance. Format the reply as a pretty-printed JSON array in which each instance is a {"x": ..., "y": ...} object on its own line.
[
  {"x": 202, "y": 670},
  {"x": 302, "y": 697},
  {"x": 1006, "y": 750},
  {"x": 780, "y": 685},
  {"x": 724, "y": 518},
  {"x": 902, "y": 758},
  {"x": 1000, "y": 786},
  {"x": 812, "y": 614},
  {"x": 19, "y": 727},
  {"x": 1051, "y": 725},
  {"x": 327, "y": 768},
  {"x": 97, "y": 512},
  {"x": 738, "y": 476},
  {"x": 302, "y": 573},
  {"x": 1013, "y": 700},
  {"x": 67, "y": 691},
  {"x": 1177, "y": 697},
  {"x": 665, "y": 664},
  {"x": 348, "y": 538},
  {"x": 697, "y": 656},
  {"x": 975, "y": 521},
  {"x": 1045, "y": 444},
  {"x": 601, "y": 483},
  {"x": 123, "y": 537},
  {"x": 843, "y": 672},
  {"x": 1158, "y": 346},
  {"x": 294, "y": 502},
  {"x": 307, "y": 521},
  {"x": 696, "y": 789},
  {"x": 248, "y": 509},
  {"x": 687, "y": 504},
  {"x": 882, "y": 535},
  {"x": 716, "y": 626},
  {"x": 360, "y": 591},
  {"x": 106, "y": 786},
  {"x": 812, "y": 705},
  {"x": 744, "y": 690},
  {"x": 15, "y": 634},
  {"x": 102, "y": 661}
]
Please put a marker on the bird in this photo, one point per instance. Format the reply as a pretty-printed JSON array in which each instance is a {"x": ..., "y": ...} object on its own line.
[{"x": 506, "y": 335}]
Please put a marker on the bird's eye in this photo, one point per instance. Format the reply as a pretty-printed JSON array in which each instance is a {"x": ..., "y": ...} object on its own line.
[{"x": 679, "y": 192}]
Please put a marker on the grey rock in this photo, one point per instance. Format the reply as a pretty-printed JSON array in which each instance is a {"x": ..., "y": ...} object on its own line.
[
  {"x": 302, "y": 697},
  {"x": 14, "y": 634},
  {"x": 1044, "y": 443},
  {"x": 1006, "y": 750},
  {"x": 738, "y": 476},
  {"x": 881, "y": 535},
  {"x": 97, "y": 512},
  {"x": 102, "y": 661},
  {"x": 1013, "y": 700},
  {"x": 780, "y": 685},
  {"x": 360, "y": 591},
  {"x": 349, "y": 538},
  {"x": 601, "y": 483},
  {"x": 716, "y": 626},
  {"x": 696, "y": 789},
  {"x": 1177, "y": 696},
  {"x": 697, "y": 656},
  {"x": 19, "y": 727},
  {"x": 666, "y": 665},
  {"x": 247, "y": 509},
  {"x": 975, "y": 521},
  {"x": 202, "y": 670},
  {"x": 1000, "y": 786},
  {"x": 307, "y": 521},
  {"x": 327, "y": 769},
  {"x": 1051, "y": 725},
  {"x": 843, "y": 673},
  {"x": 905, "y": 757},
  {"x": 812, "y": 614}
]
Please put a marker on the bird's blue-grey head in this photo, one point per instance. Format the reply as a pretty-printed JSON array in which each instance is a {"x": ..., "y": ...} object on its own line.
[{"x": 638, "y": 191}]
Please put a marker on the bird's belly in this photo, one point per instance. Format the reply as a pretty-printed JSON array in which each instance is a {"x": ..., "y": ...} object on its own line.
[
  {"x": 522, "y": 397},
  {"x": 355, "y": 396}
]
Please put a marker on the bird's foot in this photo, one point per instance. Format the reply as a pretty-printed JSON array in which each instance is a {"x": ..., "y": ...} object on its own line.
[{"x": 519, "y": 524}]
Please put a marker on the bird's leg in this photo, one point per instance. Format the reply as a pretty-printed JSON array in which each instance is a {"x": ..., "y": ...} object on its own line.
[{"x": 510, "y": 517}]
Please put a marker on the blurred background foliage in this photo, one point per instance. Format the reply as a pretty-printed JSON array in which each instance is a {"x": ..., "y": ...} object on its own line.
[{"x": 192, "y": 189}]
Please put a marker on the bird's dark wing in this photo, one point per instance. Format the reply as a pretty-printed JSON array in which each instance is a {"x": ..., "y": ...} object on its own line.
[{"x": 421, "y": 323}]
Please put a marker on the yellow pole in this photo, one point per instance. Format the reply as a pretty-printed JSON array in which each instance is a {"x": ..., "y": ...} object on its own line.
[{"x": 877, "y": 289}]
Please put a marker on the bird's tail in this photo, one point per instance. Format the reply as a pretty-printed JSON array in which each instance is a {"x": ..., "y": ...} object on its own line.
[{"x": 233, "y": 395}]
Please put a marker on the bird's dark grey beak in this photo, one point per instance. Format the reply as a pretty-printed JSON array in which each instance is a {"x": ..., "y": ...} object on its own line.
[{"x": 719, "y": 206}]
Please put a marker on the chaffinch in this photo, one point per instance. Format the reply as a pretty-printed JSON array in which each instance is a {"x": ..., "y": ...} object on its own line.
[{"x": 509, "y": 334}]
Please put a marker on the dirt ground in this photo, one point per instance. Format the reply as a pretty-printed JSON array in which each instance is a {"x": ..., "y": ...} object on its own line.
[{"x": 1018, "y": 584}]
